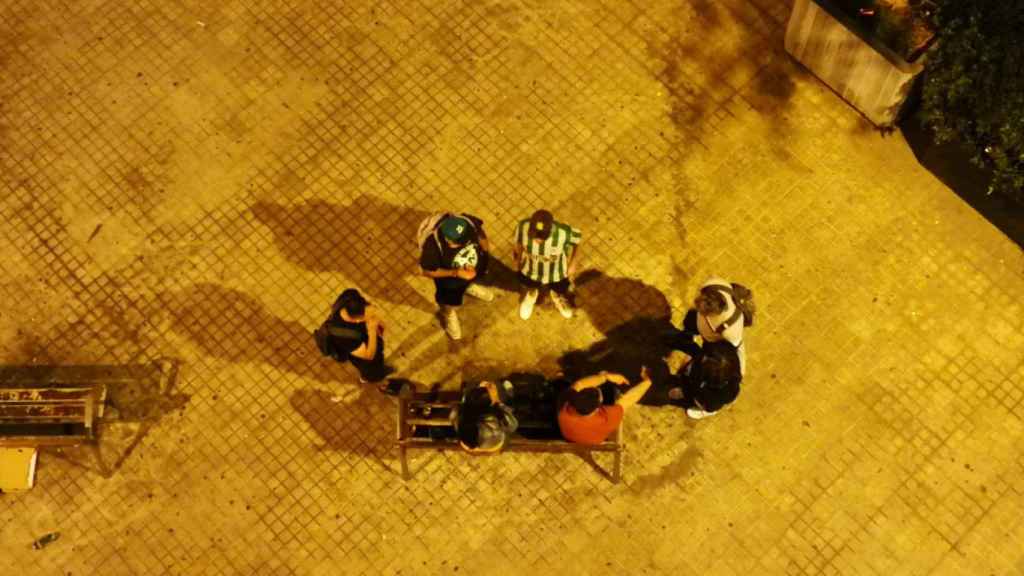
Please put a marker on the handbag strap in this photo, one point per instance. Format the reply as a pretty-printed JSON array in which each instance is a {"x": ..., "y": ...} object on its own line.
[{"x": 340, "y": 332}]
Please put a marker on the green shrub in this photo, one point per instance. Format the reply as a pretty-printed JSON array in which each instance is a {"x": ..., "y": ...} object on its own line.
[{"x": 974, "y": 85}]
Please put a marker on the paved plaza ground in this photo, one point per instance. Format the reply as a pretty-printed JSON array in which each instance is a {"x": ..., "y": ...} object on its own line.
[{"x": 194, "y": 182}]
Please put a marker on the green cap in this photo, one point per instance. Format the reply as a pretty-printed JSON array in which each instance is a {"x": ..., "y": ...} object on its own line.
[{"x": 454, "y": 228}]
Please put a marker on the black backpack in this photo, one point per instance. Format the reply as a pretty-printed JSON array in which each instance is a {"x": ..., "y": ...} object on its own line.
[{"x": 324, "y": 343}]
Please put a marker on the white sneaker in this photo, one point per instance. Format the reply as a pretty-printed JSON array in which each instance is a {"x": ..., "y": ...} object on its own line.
[
  {"x": 697, "y": 413},
  {"x": 481, "y": 292},
  {"x": 563, "y": 306},
  {"x": 526, "y": 305},
  {"x": 451, "y": 323}
]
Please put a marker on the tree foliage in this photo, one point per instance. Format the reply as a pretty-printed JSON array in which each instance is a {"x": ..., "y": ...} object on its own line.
[{"x": 974, "y": 85}]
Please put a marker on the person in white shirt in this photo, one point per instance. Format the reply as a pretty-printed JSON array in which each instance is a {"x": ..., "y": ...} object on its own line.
[{"x": 715, "y": 317}]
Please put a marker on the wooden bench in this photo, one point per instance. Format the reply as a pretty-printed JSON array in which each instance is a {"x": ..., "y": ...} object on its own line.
[
  {"x": 59, "y": 406},
  {"x": 423, "y": 422},
  {"x": 38, "y": 410}
]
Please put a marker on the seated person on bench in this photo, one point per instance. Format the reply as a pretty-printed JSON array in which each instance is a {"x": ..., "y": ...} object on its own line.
[
  {"x": 584, "y": 418},
  {"x": 710, "y": 381},
  {"x": 483, "y": 420}
]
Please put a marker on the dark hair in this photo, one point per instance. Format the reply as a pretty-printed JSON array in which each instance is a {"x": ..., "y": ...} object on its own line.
[
  {"x": 351, "y": 301},
  {"x": 540, "y": 224},
  {"x": 475, "y": 405},
  {"x": 585, "y": 401},
  {"x": 720, "y": 365},
  {"x": 710, "y": 301}
]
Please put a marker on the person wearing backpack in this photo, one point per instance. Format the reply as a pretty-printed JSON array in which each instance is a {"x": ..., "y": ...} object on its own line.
[
  {"x": 720, "y": 312},
  {"x": 454, "y": 253},
  {"x": 483, "y": 419},
  {"x": 710, "y": 381},
  {"x": 354, "y": 333}
]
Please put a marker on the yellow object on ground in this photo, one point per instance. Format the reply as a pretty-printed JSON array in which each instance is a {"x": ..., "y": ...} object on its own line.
[{"x": 17, "y": 468}]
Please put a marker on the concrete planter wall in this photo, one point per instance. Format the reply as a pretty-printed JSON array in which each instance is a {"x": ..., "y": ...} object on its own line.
[{"x": 864, "y": 72}]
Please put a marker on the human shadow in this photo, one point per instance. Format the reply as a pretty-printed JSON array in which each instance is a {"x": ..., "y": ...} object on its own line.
[
  {"x": 363, "y": 425},
  {"x": 370, "y": 241},
  {"x": 233, "y": 326},
  {"x": 500, "y": 275},
  {"x": 634, "y": 317}
]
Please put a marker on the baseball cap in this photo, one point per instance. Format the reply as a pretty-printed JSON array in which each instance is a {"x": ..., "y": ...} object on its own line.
[
  {"x": 454, "y": 228},
  {"x": 540, "y": 225}
]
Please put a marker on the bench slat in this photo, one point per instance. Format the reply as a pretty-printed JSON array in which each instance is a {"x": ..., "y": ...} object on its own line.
[
  {"x": 553, "y": 445},
  {"x": 46, "y": 402},
  {"x": 60, "y": 418},
  {"x": 30, "y": 441},
  {"x": 428, "y": 422}
]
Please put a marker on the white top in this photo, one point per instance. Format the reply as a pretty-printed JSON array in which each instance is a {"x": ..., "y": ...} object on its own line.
[{"x": 707, "y": 325}]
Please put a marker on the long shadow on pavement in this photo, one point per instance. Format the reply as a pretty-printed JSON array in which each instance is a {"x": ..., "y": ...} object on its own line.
[
  {"x": 632, "y": 316},
  {"x": 234, "y": 326},
  {"x": 370, "y": 241}
]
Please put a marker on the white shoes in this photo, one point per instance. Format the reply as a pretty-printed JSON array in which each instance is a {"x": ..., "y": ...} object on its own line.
[
  {"x": 563, "y": 307},
  {"x": 450, "y": 321},
  {"x": 481, "y": 292},
  {"x": 697, "y": 413},
  {"x": 526, "y": 305},
  {"x": 530, "y": 299}
]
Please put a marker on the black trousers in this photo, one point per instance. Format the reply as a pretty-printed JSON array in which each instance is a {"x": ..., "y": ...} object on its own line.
[
  {"x": 561, "y": 287},
  {"x": 450, "y": 291},
  {"x": 683, "y": 340},
  {"x": 372, "y": 370}
]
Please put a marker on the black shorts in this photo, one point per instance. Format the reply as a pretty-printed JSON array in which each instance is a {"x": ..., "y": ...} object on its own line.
[
  {"x": 372, "y": 370},
  {"x": 450, "y": 291},
  {"x": 561, "y": 287}
]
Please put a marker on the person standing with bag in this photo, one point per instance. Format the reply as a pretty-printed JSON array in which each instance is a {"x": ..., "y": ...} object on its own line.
[
  {"x": 354, "y": 333},
  {"x": 720, "y": 312},
  {"x": 454, "y": 254}
]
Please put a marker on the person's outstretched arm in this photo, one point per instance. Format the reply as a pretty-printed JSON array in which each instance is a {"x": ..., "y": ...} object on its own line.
[
  {"x": 597, "y": 379},
  {"x": 634, "y": 394},
  {"x": 369, "y": 350}
]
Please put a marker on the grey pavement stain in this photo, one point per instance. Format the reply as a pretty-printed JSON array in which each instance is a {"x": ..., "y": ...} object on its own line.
[
  {"x": 685, "y": 465},
  {"x": 318, "y": 236}
]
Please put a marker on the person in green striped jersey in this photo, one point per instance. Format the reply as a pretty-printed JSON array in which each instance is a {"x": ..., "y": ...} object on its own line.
[{"x": 546, "y": 252}]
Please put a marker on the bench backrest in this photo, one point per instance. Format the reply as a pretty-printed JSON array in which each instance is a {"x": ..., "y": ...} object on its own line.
[{"x": 51, "y": 405}]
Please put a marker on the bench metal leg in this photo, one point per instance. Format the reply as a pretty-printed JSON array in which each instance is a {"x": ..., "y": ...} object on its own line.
[
  {"x": 404, "y": 462},
  {"x": 100, "y": 463},
  {"x": 402, "y": 426}
]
